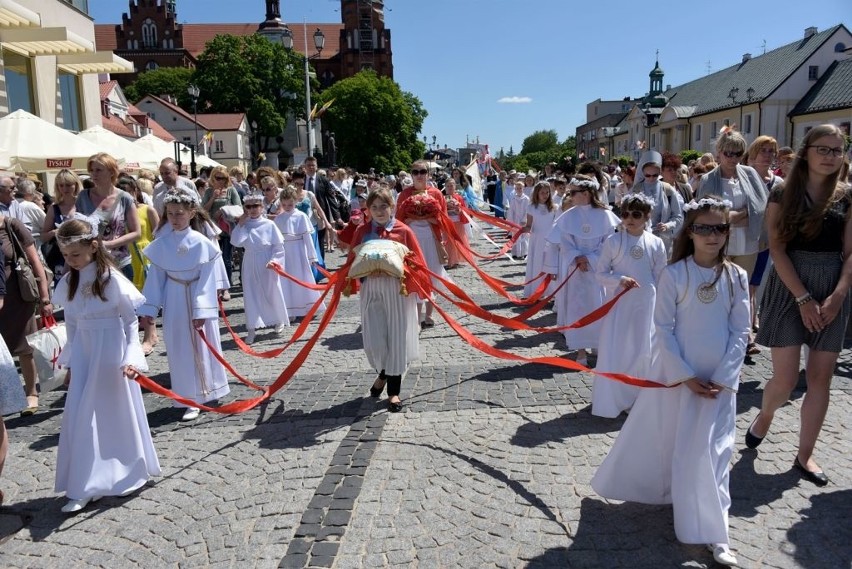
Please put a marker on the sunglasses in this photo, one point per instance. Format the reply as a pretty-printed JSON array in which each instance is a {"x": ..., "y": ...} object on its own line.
[
  {"x": 422, "y": 172},
  {"x": 253, "y": 205},
  {"x": 220, "y": 178},
  {"x": 728, "y": 154},
  {"x": 634, "y": 214},
  {"x": 579, "y": 191},
  {"x": 651, "y": 175},
  {"x": 705, "y": 230}
]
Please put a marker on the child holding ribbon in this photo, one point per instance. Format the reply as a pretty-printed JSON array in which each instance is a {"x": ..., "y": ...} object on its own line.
[
  {"x": 263, "y": 295},
  {"x": 676, "y": 444},
  {"x": 539, "y": 217},
  {"x": 105, "y": 446},
  {"x": 633, "y": 258},
  {"x": 182, "y": 281}
]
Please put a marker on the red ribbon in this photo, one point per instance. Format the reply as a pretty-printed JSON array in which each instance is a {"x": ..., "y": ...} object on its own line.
[{"x": 280, "y": 270}]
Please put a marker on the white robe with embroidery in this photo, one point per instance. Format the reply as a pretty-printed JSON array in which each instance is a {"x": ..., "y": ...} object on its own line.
[
  {"x": 675, "y": 446},
  {"x": 579, "y": 231},
  {"x": 299, "y": 253},
  {"x": 627, "y": 331},
  {"x": 182, "y": 281},
  {"x": 105, "y": 446},
  {"x": 263, "y": 296}
]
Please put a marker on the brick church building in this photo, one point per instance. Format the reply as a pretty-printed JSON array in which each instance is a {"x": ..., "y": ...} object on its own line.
[{"x": 150, "y": 36}]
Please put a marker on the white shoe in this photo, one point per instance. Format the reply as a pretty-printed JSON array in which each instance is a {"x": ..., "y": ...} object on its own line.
[
  {"x": 226, "y": 296},
  {"x": 190, "y": 414},
  {"x": 74, "y": 506},
  {"x": 250, "y": 336},
  {"x": 722, "y": 554},
  {"x": 280, "y": 329}
]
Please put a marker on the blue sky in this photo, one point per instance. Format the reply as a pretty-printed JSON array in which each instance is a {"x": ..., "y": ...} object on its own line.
[{"x": 463, "y": 57}]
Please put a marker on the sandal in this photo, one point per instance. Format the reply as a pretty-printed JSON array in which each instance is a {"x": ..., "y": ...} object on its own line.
[
  {"x": 752, "y": 349},
  {"x": 32, "y": 406},
  {"x": 147, "y": 349},
  {"x": 428, "y": 322}
]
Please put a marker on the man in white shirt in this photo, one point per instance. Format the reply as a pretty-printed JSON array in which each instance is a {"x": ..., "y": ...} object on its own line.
[
  {"x": 9, "y": 206},
  {"x": 33, "y": 215},
  {"x": 171, "y": 179}
]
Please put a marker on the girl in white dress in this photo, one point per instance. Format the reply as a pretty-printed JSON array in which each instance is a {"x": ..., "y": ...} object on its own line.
[
  {"x": 540, "y": 215},
  {"x": 263, "y": 295},
  {"x": 182, "y": 281},
  {"x": 518, "y": 202},
  {"x": 632, "y": 258},
  {"x": 105, "y": 446},
  {"x": 299, "y": 254},
  {"x": 576, "y": 240},
  {"x": 676, "y": 444}
]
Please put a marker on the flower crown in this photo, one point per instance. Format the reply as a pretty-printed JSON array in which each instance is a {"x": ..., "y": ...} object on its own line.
[
  {"x": 641, "y": 198},
  {"x": 92, "y": 222},
  {"x": 253, "y": 197},
  {"x": 707, "y": 203},
  {"x": 591, "y": 184},
  {"x": 180, "y": 197}
]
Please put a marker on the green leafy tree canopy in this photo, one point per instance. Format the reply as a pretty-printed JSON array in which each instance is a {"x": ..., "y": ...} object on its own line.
[
  {"x": 375, "y": 123},
  {"x": 162, "y": 81}
]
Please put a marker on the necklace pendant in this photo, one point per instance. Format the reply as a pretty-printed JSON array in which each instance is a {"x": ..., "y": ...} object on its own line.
[
  {"x": 586, "y": 228},
  {"x": 87, "y": 290},
  {"x": 182, "y": 250},
  {"x": 706, "y": 293},
  {"x": 637, "y": 252}
]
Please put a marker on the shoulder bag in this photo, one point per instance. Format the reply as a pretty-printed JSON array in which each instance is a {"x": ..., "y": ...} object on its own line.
[{"x": 27, "y": 282}]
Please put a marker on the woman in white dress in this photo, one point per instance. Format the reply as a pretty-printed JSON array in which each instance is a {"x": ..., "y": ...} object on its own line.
[
  {"x": 540, "y": 215},
  {"x": 105, "y": 446},
  {"x": 676, "y": 444},
  {"x": 632, "y": 258},
  {"x": 517, "y": 203},
  {"x": 182, "y": 281},
  {"x": 263, "y": 295},
  {"x": 575, "y": 240},
  {"x": 300, "y": 255}
]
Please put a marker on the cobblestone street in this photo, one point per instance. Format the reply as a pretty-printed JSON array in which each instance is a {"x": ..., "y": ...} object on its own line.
[{"x": 488, "y": 465}]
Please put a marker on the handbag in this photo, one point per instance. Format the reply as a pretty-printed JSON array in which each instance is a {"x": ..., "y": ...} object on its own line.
[
  {"x": 47, "y": 344},
  {"x": 27, "y": 282}
]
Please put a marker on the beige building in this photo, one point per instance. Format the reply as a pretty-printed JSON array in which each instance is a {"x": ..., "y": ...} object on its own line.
[
  {"x": 780, "y": 93},
  {"x": 49, "y": 64}
]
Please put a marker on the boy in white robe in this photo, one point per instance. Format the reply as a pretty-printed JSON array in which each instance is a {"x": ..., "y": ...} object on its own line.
[
  {"x": 517, "y": 203},
  {"x": 182, "y": 281}
]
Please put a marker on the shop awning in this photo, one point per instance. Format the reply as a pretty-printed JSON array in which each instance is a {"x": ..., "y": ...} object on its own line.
[
  {"x": 13, "y": 15},
  {"x": 44, "y": 41},
  {"x": 97, "y": 62}
]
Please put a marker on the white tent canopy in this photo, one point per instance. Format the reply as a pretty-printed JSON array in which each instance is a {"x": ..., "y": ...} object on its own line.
[
  {"x": 32, "y": 144},
  {"x": 162, "y": 149},
  {"x": 135, "y": 157}
]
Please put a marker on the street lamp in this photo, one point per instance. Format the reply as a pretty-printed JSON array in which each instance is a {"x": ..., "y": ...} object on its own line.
[
  {"x": 319, "y": 44},
  {"x": 194, "y": 91}
]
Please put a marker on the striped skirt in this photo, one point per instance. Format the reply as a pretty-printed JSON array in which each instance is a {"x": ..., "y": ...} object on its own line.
[
  {"x": 780, "y": 319},
  {"x": 389, "y": 325}
]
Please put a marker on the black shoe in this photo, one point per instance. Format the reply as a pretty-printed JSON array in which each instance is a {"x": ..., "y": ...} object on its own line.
[
  {"x": 752, "y": 440},
  {"x": 818, "y": 478},
  {"x": 395, "y": 407}
]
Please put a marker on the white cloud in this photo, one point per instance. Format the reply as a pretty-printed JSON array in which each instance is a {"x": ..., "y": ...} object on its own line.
[{"x": 515, "y": 100}]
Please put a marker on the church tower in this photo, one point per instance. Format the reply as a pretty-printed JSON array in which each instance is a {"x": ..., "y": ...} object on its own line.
[
  {"x": 365, "y": 43},
  {"x": 655, "y": 97}
]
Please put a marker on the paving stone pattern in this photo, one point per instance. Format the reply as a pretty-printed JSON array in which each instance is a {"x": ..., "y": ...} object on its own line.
[{"x": 488, "y": 465}]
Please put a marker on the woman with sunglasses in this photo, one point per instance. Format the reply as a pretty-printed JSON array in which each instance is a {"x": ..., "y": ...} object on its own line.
[
  {"x": 667, "y": 213},
  {"x": 806, "y": 300},
  {"x": 221, "y": 193},
  {"x": 633, "y": 258},
  {"x": 575, "y": 241},
  {"x": 745, "y": 189}
]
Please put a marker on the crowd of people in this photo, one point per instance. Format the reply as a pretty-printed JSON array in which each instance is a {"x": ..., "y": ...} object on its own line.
[{"x": 694, "y": 244}]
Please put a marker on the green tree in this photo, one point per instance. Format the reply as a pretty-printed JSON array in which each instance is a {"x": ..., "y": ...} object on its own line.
[
  {"x": 375, "y": 123},
  {"x": 689, "y": 154},
  {"x": 540, "y": 141},
  {"x": 162, "y": 81},
  {"x": 250, "y": 74},
  {"x": 569, "y": 148}
]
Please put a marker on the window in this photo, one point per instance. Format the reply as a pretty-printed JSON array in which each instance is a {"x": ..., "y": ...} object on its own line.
[
  {"x": 714, "y": 127},
  {"x": 844, "y": 128},
  {"x": 698, "y": 133},
  {"x": 654, "y": 140},
  {"x": 19, "y": 89},
  {"x": 747, "y": 124},
  {"x": 839, "y": 47},
  {"x": 813, "y": 72},
  {"x": 151, "y": 65},
  {"x": 727, "y": 122},
  {"x": 69, "y": 97},
  {"x": 187, "y": 140},
  {"x": 220, "y": 146},
  {"x": 149, "y": 33}
]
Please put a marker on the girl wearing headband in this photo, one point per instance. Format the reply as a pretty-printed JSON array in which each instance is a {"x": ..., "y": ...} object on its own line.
[{"x": 105, "y": 446}]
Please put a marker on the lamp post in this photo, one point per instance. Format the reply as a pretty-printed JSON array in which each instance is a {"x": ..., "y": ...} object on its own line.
[
  {"x": 319, "y": 44},
  {"x": 194, "y": 91}
]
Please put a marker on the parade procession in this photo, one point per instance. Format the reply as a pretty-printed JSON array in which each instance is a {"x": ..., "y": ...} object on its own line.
[{"x": 253, "y": 315}]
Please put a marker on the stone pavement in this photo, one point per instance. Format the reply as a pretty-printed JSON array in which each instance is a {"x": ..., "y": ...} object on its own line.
[{"x": 488, "y": 466}]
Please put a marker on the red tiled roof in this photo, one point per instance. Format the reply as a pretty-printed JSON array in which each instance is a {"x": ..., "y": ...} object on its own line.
[
  {"x": 158, "y": 130},
  {"x": 220, "y": 121},
  {"x": 114, "y": 124},
  {"x": 106, "y": 88},
  {"x": 196, "y": 36}
]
